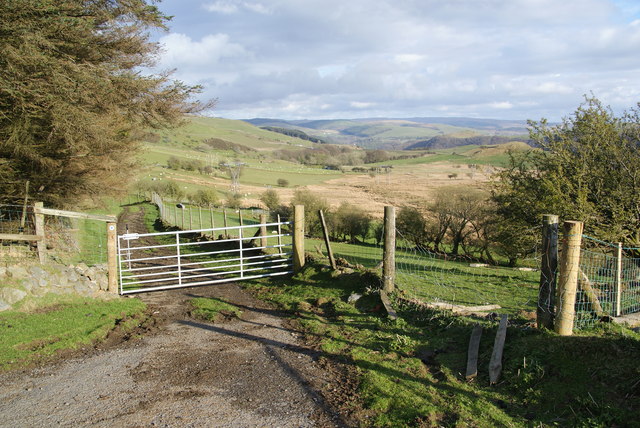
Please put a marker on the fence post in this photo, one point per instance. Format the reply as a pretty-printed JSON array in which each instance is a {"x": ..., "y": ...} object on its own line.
[
  {"x": 298, "y": 237},
  {"x": 325, "y": 232},
  {"x": 568, "y": 280},
  {"x": 548, "y": 271},
  {"x": 112, "y": 257},
  {"x": 619, "y": 281},
  {"x": 263, "y": 231},
  {"x": 389, "y": 254},
  {"x": 41, "y": 245},
  {"x": 213, "y": 232}
]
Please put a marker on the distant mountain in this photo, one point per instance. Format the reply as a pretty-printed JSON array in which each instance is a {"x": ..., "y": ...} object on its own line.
[{"x": 399, "y": 134}]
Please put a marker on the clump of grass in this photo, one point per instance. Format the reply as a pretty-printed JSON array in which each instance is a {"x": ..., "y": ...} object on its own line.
[
  {"x": 212, "y": 309},
  {"x": 60, "y": 323}
]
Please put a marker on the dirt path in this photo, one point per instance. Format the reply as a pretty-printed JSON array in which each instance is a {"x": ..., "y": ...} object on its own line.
[{"x": 252, "y": 371}]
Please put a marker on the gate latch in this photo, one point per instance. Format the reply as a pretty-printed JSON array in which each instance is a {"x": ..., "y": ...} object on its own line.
[{"x": 130, "y": 236}]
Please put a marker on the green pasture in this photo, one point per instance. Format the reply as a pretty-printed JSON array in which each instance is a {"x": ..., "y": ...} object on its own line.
[{"x": 197, "y": 129}]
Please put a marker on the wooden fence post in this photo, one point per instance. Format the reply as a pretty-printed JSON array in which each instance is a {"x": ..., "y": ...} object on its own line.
[
  {"x": 568, "y": 280},
  {"x": 175, "y": 215},
  {"x": 112, "y": 258},
  {"x": 298, "y": 238},
  {"x": 548, "y": 270},
  {"x": 389, "y": 254},
  {"x": 619, "y": 281},
  {"x": 213, "y": 232},
  {"x": 263, "y": 231},
  {"x": 325, "y": 232},
  {"x": 41, "y": 244}
]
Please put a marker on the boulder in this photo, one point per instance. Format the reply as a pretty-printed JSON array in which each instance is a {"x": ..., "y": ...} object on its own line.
[{"x": 4, "y": 306}]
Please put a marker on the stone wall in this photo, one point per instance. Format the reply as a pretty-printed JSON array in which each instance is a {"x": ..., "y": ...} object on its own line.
[{"x": 20, "y": 281}]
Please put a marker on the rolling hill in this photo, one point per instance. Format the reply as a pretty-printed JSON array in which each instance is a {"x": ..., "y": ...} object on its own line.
[{"x": 399, "y": 134}]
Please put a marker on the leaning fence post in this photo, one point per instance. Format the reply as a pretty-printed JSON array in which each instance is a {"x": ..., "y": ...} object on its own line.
[
  {"x": 389, "y": 254},
  {"x": 619, "y": 281},
  {"x": 112, "y": 257},
  {"x": 568, "y": 280},
  {"x": 548, "y": 270},
  {"x": 298, "y": 237},
  {"x": 41, "y": 244},
  {"x": 327, "y": 242}
]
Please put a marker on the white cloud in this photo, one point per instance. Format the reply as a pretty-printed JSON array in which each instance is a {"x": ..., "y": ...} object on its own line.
[
  {"x": 228, "y": 7},
  {"x": 224, "y": 7},
  {"x": 180, "y": 50},
  {"x": 516, "y": 58}
]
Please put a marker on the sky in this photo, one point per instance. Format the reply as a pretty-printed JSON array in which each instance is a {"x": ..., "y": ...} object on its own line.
[{"x": 330, "y": 59}]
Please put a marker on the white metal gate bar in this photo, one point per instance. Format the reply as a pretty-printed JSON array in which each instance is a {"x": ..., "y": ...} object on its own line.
[{"x": 149, "y": 267}]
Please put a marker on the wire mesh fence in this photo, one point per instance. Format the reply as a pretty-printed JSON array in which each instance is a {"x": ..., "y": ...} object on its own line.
[
  {"x": 437, "y": 278},
  {"x": 67, "y": 240},
  {"x": 16, "y": 220},
  {"x": 72, "y": 241},
  {"x": 608, "y": 281}
]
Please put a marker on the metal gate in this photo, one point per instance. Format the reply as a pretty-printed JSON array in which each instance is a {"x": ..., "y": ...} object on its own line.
[{"x": 187, "y": 258}]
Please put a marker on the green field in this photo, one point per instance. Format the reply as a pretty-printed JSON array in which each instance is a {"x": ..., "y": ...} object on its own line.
[{"x": 431, "y": 278}]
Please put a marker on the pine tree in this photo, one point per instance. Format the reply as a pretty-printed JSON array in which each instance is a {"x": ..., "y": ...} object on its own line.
[{"x": 74, "y": 101}]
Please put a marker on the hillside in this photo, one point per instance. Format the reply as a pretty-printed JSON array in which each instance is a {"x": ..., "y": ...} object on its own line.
[
  {"x": 445, "y": 141},
  {"x": 399, "y": 134}
]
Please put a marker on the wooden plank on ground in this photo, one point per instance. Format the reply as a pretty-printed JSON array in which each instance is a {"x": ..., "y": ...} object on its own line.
[
  {"x": 472, "y": 354},
  {"x": 495, "y": 366},
  {"x": 387, "y": 305},
  {"x": 73, "y": 214},
  {"x": 18, "y": 237}
]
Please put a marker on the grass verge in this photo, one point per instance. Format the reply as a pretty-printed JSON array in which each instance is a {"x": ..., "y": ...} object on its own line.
[
  {"x": 212, "y": 309},
  {"x": 411, "y": 370},
  {"x": 59, "y": 323}
]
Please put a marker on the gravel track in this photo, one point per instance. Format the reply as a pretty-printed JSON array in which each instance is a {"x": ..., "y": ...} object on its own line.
[{"x": 247, "y": 372}]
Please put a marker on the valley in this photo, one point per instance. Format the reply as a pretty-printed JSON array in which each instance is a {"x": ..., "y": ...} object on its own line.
[{"x": 405, "y": 177}]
